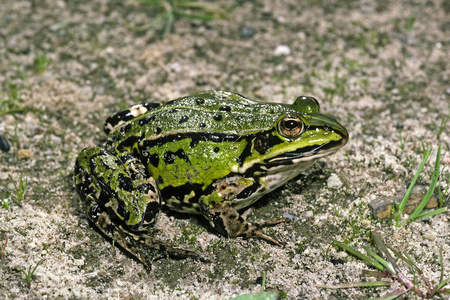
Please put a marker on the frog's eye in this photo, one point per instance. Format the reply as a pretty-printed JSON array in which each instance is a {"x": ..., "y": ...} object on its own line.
[
  {"x": 306, "y": 104},
  {"x": 291, "y": 126}
]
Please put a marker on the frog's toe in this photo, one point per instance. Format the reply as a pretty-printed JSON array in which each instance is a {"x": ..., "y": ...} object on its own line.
[
  {"x": 225, "y": 219},
  {"x": 271, "y": 222},
  {"x": 252, "y": 232}
]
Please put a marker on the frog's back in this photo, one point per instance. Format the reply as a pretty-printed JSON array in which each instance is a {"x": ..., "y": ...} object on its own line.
[{"x": 218, "y": 112}]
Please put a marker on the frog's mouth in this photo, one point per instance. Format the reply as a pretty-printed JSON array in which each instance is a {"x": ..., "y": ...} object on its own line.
[{"x": 306, "y": 154}]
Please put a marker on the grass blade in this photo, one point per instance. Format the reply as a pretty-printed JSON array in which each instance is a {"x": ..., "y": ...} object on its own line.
[
  {"x": 383, "y": 249},
  {"x": 381, "y": 260},
  {"x": 358, "y": 254},
  {"x": 430, "y": 191},
  {"x": 431, "y": 213},
  {"x": 411, "y": 186},
  {"x": 375, "y": 273}
]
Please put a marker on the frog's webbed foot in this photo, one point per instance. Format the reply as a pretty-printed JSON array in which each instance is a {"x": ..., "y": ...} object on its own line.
[
  {"x": 146, "y": 249},
  {"x": 224, "y": 218},
  {"x": 266, "y": 223},
  {"x": 139, "y": 244}
]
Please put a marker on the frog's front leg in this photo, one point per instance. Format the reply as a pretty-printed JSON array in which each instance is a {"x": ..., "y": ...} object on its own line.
[
  {"x": 122, "y": 201},
  {"x": 225, "y": 219},
  {"x": 218, "y": 210}
]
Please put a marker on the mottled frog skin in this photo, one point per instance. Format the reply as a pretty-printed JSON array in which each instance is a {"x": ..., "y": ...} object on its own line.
[{"x": 212, "y": 153}]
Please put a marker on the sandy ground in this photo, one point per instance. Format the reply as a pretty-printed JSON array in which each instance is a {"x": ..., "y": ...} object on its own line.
[{"x": 382, "y": 69}]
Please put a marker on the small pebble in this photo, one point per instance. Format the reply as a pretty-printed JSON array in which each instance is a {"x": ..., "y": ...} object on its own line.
[
  {"x": 9, "y": 119},
  {"x": 334, "y": 181},
  {"x": 30, "y": 118},
  {"x": 24, "y": 153},
  {"x": 55, "y": 139},
  {"x": 282, "y": 50},
  {"x": 308, "y": 214},
  {"x": 247, "y": 32},
  {"x": 430, "y": 236},
  {"x": 289, "y": 216},
  {"x": 175, "y": 67}
]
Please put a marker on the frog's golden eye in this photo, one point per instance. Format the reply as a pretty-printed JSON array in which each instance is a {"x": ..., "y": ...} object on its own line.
[{"x": 291, "y": 126}]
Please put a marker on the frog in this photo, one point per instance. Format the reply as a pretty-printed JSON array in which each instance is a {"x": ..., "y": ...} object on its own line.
[{"x": 213, "y": 153}]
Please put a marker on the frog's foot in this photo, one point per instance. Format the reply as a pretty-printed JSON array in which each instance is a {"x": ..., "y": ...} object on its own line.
[
  {"x": 266, "y": 223},
  {"x": 140, "y": 245},
  {"x": 225, "y": 219},
  {"x": 271, "y": 222},
  {"x": 147, "y": 249}
]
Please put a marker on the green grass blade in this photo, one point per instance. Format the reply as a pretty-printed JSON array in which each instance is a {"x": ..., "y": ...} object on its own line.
[
  {"x": 438, "y": 288},
  {"x": 170, "y": 20},
  {"x": 443, "y": 283},
  {"x": 35, "y": 267},
  {"x": 411, "y": 186},
  {"x": 405, "y": 258},
  {"x": 381, "y": 246},
  {"x": 431, "y": 213},
  {"x": 358, "y": 254},
  {"x": 430, "y": 191},
  {"x": 381, "y": 260},
  {"x": 156, "y": 3},
  {"x": 193, "y": 16}
]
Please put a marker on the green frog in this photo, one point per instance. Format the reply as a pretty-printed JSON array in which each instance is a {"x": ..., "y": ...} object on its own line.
[{"x": 212, "y": 153}]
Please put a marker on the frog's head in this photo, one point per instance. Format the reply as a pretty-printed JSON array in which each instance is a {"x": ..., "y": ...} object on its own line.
[{"x": 298, "y": 137}]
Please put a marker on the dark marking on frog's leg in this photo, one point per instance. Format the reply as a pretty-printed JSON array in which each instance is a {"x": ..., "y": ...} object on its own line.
[
  {"x": 175, "y": 199},
  {"x": 129, "y": 114},
  {"x": 225, "y": 219}
]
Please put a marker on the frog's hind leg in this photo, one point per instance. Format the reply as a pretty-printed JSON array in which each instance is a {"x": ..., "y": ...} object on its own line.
[
  {"x": 225, "y": 219},
  {"x": 118, "y": 185},
  {"x": 122, "y": 202}
]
